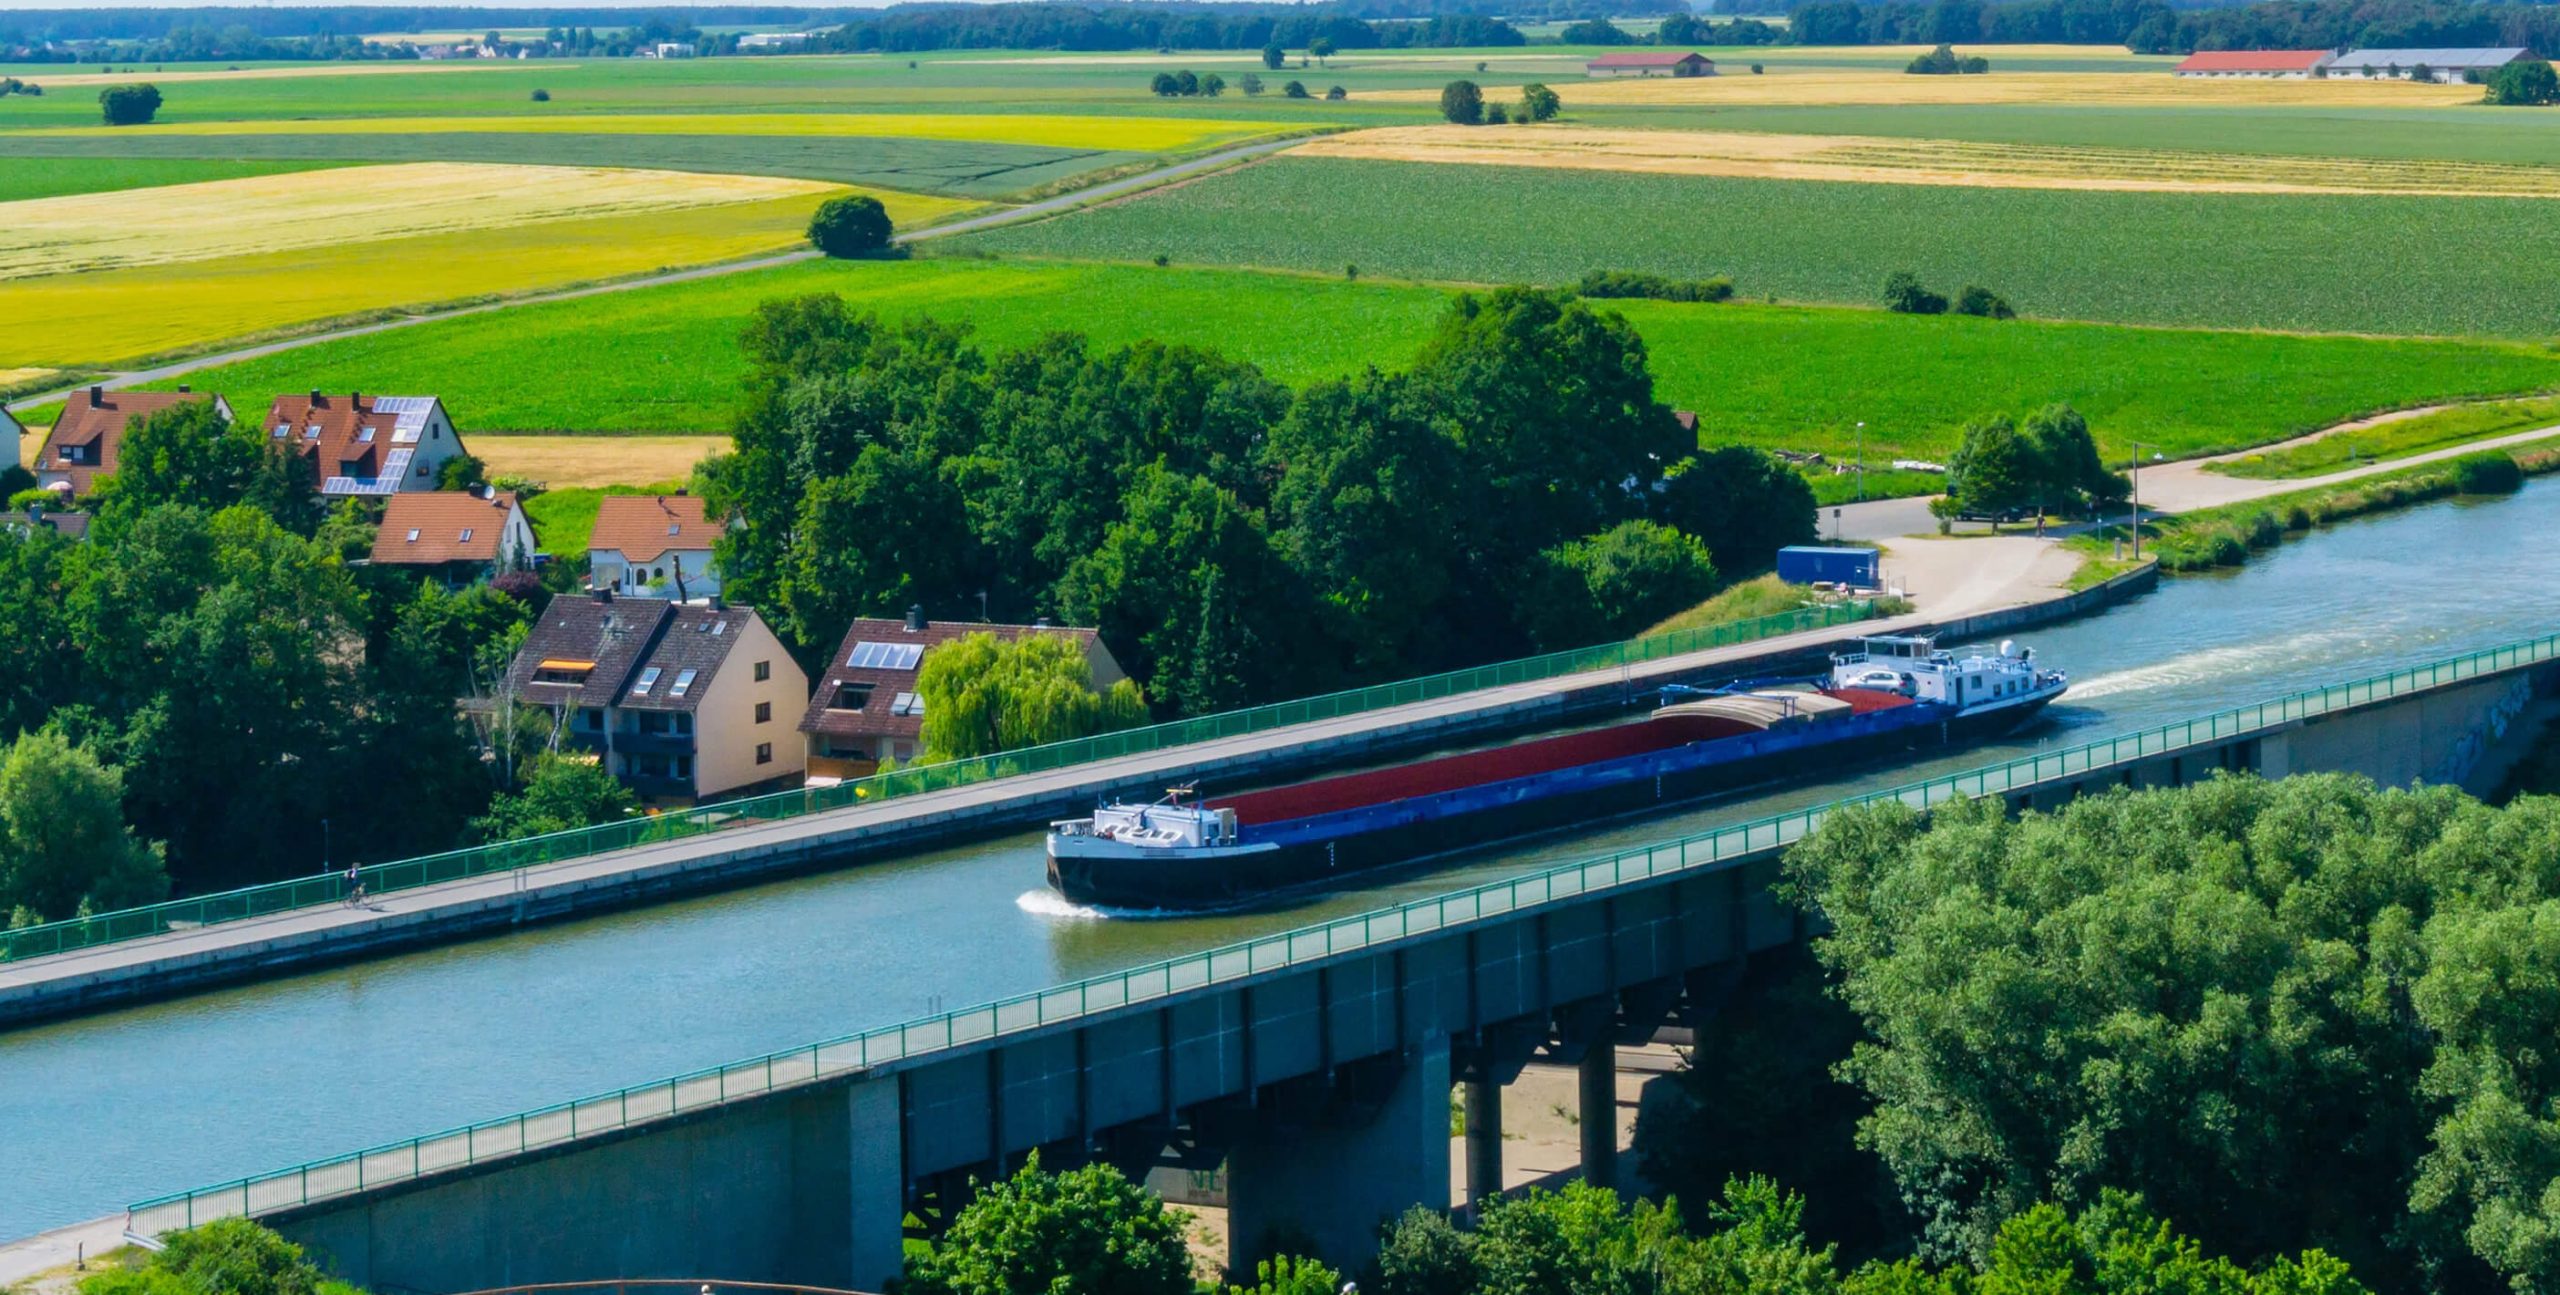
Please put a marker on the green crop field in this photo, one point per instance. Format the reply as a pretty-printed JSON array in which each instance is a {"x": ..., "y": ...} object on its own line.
[
  {"x": 56, "y": 177},
  {"x": 2354, "y": 263},
  {"x": 665, "y": 359}
]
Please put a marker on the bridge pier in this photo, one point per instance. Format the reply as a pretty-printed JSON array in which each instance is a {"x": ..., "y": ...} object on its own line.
[
  {"x": 1483, "y": 1104},
  {"x": 1597, "y": 1109},
  {"x": 1324, "y": 1186}
]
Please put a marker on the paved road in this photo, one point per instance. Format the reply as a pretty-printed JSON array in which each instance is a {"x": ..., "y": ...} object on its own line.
[{"x": 1028, "y": 211}]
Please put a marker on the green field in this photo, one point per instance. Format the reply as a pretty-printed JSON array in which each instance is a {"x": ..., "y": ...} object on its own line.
[
  {"x": 2399, "y": 438},
  {"x": 665, "y": 359},
  {"x": 2351, "y": 263},
  {"x": 56, "y": 177},
  {"x": 563, "y": 519}
]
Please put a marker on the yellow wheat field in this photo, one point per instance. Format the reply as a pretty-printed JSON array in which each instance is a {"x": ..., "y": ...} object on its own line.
[
  {"x": 563, "y": 461},
  {"x": 1928, "y": 161},
  {"x": 280, "y": 213},
  {"x": 18, "y": 377},
  {"x": 1136, "y": 134},
  {"x": 1820, "y": 86}
]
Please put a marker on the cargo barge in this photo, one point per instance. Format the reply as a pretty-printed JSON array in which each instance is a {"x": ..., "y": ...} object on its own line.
[{"x": 1895, "y": 693}]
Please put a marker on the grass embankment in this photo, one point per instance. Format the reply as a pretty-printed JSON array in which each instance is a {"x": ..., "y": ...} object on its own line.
[
  {"x": 1761, "y": 596},
  {"x": 1831, "y": 488},
  {"x": 2226, "y": 536},
  {"x": 666, "y": 359},
  {"x": 2397, "y": 438},
  {"x": 2328, "y": 263}
]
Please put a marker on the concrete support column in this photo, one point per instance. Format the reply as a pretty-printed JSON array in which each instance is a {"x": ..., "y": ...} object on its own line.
[
  {"x": 1598, "y": 1109},
  {"x": 1484, "y": 1143},
  {"x": 875, "y": 1164},
  {"x": 1325, "y": 1186}
]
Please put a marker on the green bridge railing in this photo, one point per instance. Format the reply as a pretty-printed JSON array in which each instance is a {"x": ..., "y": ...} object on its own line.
[
  {"x": 396, "y": 1162},
  {"x": 428, "y": 870}
]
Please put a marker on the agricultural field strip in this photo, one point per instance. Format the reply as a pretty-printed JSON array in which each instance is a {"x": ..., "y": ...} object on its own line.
[
  {"x": 1135, "y": 134},
  {"x": 1887, "y": 86},
  {"x": 295, "y": 71},
  {"x": 1928, "y": 161},
  {"x": 232, "y": 218}
]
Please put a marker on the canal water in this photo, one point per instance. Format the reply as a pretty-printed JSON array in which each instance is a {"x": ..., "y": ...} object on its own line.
[{"x": 99, "y": 1112}]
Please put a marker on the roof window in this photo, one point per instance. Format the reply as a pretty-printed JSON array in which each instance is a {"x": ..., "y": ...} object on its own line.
[
  {"x": 675, "y": 528},
  {"x": 683, "y": 683},
  {"x": 364, "y": 436},
  {"x": 868, "y": 655},
  {"x": 648, "y": 680},
  {"x": 907, "y": 703},
  {"x": 413, "y": 535},
  {"x": 466, "y": 536}
]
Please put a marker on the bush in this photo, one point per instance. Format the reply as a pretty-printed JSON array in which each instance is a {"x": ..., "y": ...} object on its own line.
[
  {"x": 1538, "y": 103},
  {"x": 1637, "y": 283},
  {"x": 2297, "y": 518},
  {"x": 2525, "y": 83},
  {"x": 129, "y": 105},
  {"x": 1336, "y": 95},
  {"x": 1904, "y": 295},
  {"x": 2487, "y": 473},
  {"x": 1250, "y": 84},
  {"x": 1982, "y": 301},
  {"x": 542, "y": 96},
  {"x": 1756, "y": 69},
  {"x": 2265, "y": 531},
  {"x": 854, "y": 225},
  {"x": 1496, "y": 115},
  {"x": 1294, "y": 90},
  {"x": 1087, "y": 1231},
  {"x": 1462, "y": 103}
]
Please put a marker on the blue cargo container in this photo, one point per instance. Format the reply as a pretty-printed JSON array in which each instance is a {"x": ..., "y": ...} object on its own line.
[{"x": 1804, "y": 564}]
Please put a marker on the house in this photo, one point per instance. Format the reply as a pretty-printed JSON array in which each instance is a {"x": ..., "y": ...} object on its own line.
[
  {"x": 772, "y": 40},
  {"x": 16, "y": 432},
  {"x": 365, "y": 445},
  {"x": 653, "y": 546},
  {"x": 457, "y": 536},
  {"x": 668, "y": 49},
  {"x": 683, "y": 701},
  {"x": 866, "y": 708},
  {"x": 2440, "y": 64},
  {"x": 2295, "y": 64},
  {"x": 85, "y": 440},
  {"x": 69, "y": 525},
  {"x": 1651, "y": 62}
]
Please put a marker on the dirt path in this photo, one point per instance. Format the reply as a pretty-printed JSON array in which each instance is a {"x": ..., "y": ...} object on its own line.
[{"x": 2186, "y": 486}]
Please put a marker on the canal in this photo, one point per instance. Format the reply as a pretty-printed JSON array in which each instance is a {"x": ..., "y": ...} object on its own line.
[{"x": 98, "y": 1112}]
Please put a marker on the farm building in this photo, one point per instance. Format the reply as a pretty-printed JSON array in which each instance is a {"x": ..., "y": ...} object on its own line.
[
  {"x": 83, "y": 444},
  {"x": 2438, "y": 64},
  {"x": 866, "y": 708},
  {"x": 458, "y": 536},
  {"x": 653, "y": 546},
  {"x": 680, "y": 701},
  {"x": 2292, "y": 63},
  {"x": 366, "y": 445},
  {"x": 1651, "y": 62}
]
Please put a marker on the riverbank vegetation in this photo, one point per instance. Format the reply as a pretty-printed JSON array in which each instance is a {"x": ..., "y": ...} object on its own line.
[{"x": 2396, "y": 438}]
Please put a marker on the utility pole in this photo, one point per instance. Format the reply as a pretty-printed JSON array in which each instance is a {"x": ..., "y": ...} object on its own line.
[
  {"x": 1862, "y": 463},
  {"x": 2135, "y": 471}
]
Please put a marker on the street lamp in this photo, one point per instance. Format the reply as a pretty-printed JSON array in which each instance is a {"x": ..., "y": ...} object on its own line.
[
  {"x": 1862, "y": 463},
  {"x": 2135, "y": 471}
]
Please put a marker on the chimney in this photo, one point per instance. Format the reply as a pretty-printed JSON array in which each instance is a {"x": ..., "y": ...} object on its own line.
[
  {"x": 915, "y": 619},
  {"x": 1039, "y": 622},
  {"x": 315, "y": 396},
  {"x": 604, "y": 593},
  {"x": 355, "y": 401},
  {"x": 184, "y": 388},
  {"x": 97, "y": 395}
]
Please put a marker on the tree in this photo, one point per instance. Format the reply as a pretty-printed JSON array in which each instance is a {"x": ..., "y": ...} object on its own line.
[
  {"x": 1994, "y": 471},
  {"x": 1322, "y": 48},
  {"x": 1983, "y": 302},
  {"x": 1186, "y": 83},
  {"x": 541, "y": 96},
  {"x": 1336, "y": 94},
  {"x": 1250, "y": 83},
  {"x": 852, "y": 225},
  {"x": 1462, "y": 103},
  {"x": 2197, "y": 990},
  {"x": 2069, "y": 474},
  {"x": 1594, "y": 31},
  {"x": 129, "y": 105},
  {"x": 1903, "y": 295},
  {"x": 1425, "y": 1254},
  {"x": 1614, "y": 584},
  {"x": 887, "y": 533},
  {"x": 1213, "y": 85},
  {"x": 185, "y": 454},
  {"x": 1683, "y": 28},
  {"x": 560, "y": 792},
  {"x": 1164, "y": 86},
  {"x": 1273, "y": 57},
  {"x": 1294, "y": 90},
  {"x": 462, "y": 472},
  {"x": 64, "y": 846},
  {"x": 1287, "y": 1275},
  {"x": 983, "y": 695},
  {"x": 2491, "y": 995},
  {"x": 2525, "y": 82},
  {"x": 1540, "y": 103},
  {"x": 1744, "y": 504},
  {"x": 233, "y": 1256},
  {"x": 1087, "y": 1231}
]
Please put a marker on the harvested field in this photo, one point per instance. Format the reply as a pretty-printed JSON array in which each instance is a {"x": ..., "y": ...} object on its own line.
[
  {"x": 20, "y": 377},
  {"x": 1808, "y": 86},
  {"x": 565, "y": 461},
  {"x": 1139, "y": 134},
  {"x": 297, "y": 71},
  {"x": 281, "y": 213},
  {"x": 1928, "y": 161}
]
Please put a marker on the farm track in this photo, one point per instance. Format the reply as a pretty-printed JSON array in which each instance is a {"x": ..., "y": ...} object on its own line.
[{"x": 1027, "y": 212}]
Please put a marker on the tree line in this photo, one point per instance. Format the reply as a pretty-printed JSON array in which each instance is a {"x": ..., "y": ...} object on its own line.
[
  {"x": 1234, "y": 540},
  {"x": 2154, "y": 27}
]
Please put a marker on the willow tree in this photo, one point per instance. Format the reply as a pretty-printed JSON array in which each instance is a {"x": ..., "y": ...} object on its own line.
[{"x": 983, "y": 695}]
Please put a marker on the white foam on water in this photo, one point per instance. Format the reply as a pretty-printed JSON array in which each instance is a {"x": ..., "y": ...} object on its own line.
[
  {"x": 1044, "y": 902},
  {"x": 2239, "y": 660}
]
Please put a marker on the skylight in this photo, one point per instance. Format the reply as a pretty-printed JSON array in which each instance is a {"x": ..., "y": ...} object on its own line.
[
  {"x": 868, "y": 655},
  {"x": 675, "y": 528},
  {"x": 413, "y": 535},
  {"x": 466, "y": 535},
  {"x": 648, "y": 680},
  {"x": 683, "y": 684},
  {"x": 907, "y": 703}
]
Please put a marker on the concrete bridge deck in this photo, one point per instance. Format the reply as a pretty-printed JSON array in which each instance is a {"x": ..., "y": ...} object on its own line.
[
  {"x": 1317, "y": 1063},
  {"x": 181, "y": 961}
]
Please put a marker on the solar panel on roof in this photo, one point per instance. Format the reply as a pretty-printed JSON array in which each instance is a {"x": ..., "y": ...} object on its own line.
[{"x": 868, "y": 655}]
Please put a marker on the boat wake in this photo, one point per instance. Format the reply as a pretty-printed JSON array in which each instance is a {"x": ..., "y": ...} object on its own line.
[
  {"x": 1044, "y": 902},
  {"x": 2236, "y": 661}
]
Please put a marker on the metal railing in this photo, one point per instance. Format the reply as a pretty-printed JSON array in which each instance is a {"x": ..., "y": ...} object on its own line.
[
  {"x": 428, "y": 870},
  {"x": 399, "y": 1161}
]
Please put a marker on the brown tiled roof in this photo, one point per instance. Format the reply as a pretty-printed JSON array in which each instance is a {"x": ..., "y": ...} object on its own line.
[
  {"x": 620, "y": 642},
  {"x": 644, "y": 527},
  {"x": 353, "y": 440},
  {"x": 877, "y": 718},
  {"x": 1648, "y": 58},
  {"x": 96, "y": 418},
  {"x": 2253, "y": 60},
  {"x": 428, "y": 528}
]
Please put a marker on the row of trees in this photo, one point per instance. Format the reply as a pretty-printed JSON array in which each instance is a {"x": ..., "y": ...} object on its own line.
[
  {"x": 1234, "y": 540},
  {"x": 1462, "y": 104},
  {"x": 1904, "y": 294},
  {"x": 2155, "y": 27}
]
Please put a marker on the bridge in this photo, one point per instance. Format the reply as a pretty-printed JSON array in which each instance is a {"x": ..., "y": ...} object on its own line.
[{"x": 1316, "y": 1063}]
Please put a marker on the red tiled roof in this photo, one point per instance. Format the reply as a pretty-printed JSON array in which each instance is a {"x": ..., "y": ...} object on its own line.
[
  {"x": 96, "y": 418},
  {"x": 342, "y": 447},
  {"x": 1648, "y": 58},
  {"x": 432, "y": 527},
  {"x": 2253, "y": 60},
  {"x": 644, "y": 527}
]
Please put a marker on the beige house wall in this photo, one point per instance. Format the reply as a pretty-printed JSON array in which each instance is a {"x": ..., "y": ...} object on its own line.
[{"x": 725, "y": 731}]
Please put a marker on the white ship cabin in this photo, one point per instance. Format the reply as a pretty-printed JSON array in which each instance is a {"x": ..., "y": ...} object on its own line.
[
  {"x": 1167, "y": 824},
  {"x": 1915, "y": 666}
]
